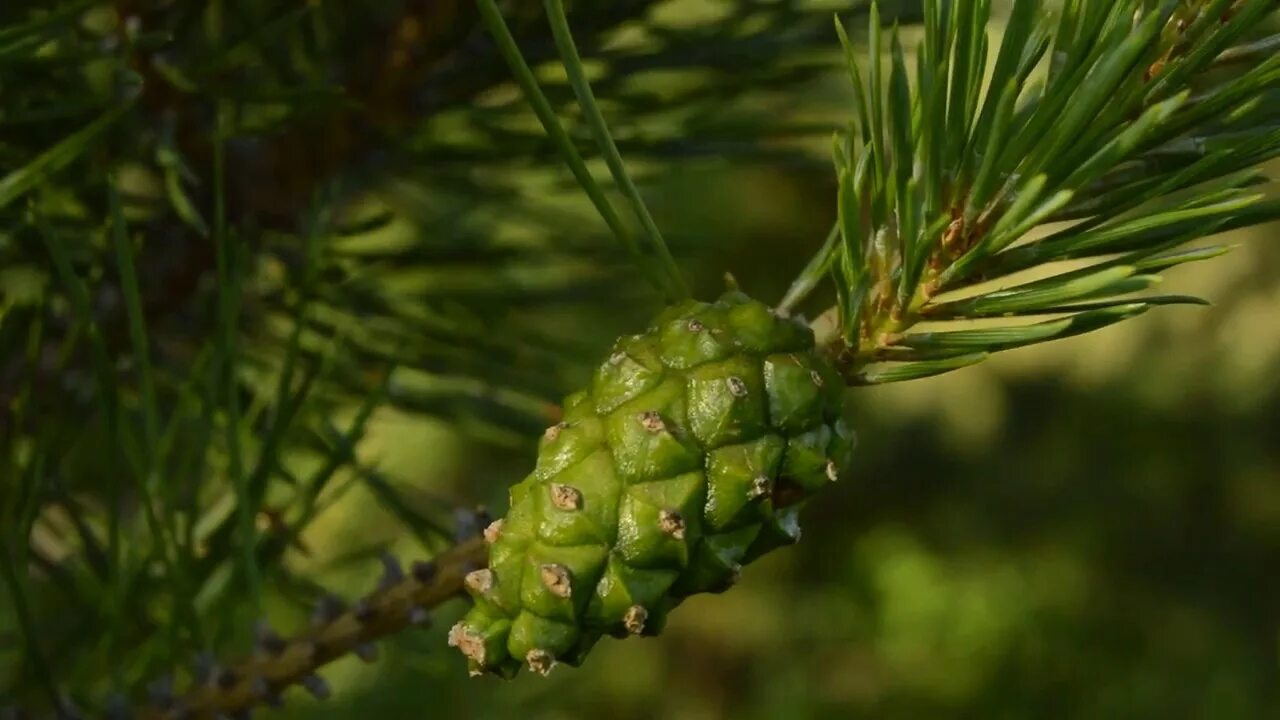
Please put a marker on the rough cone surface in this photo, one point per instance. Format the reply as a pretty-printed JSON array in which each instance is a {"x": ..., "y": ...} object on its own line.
[{"x": 687, "y": 457}]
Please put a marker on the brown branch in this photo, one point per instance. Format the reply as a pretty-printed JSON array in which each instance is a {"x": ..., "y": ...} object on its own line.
[{"x": 280, "y": 663}]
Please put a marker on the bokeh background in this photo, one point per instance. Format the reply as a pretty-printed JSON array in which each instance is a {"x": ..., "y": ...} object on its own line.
[
  {"x": 1085, "y": 529},
  {"x": 1088, "y": 529}
]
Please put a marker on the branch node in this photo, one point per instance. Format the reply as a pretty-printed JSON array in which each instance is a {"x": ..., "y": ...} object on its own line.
[
  {"x": 367, "y": 652},
  {"x": 328, "y": 609},
  {"x": 317, "y": 686},
  {"x": 392, "y": 572},
  {"x": 364, "y": 612},
  {"x": 269, "y": 641},
  {"x": 424, "y": 571},
  {"x": 262, "y": 691}
]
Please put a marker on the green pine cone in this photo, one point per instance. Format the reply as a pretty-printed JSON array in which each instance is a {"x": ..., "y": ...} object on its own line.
[{"x": 688, "y": 456}]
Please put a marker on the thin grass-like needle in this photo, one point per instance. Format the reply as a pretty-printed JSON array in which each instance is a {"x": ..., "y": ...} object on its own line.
[
  {"x": 604, "y": 139},
  {"x": 497, "y": 27}
]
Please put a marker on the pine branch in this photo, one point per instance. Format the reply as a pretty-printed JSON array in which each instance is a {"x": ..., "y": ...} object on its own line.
[{"x": 402, "y": 600}]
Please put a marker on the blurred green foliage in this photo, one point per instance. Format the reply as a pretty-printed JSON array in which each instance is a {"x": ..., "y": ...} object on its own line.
[{"x": 1084, "y": 530}]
